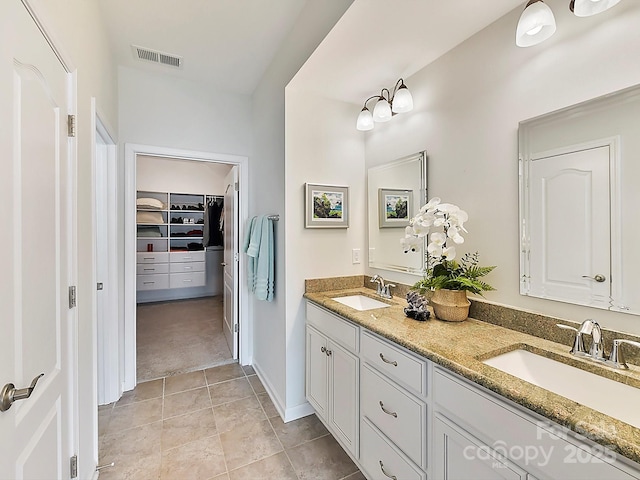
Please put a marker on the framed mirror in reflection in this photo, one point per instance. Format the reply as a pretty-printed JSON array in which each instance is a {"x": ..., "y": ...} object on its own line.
[
  {"x": 395, "y": 192},
  {"x": 579, "y": 199}
]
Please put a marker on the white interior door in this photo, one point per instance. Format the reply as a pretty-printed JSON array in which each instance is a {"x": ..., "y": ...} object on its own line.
[
  {"x": 230, "y": 271},
  {"x": 35, "y": 256},
  {"x": 572, "y": 252}
]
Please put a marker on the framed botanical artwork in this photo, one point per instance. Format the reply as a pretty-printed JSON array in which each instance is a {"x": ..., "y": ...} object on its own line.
[
  {"x": 326, "y": 206},
  {"x": 394, "y": 207}
]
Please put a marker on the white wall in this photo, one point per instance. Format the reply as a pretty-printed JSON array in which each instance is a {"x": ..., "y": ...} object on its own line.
[
  {"x": 164, "y": 111},
  {"x": 267, "y": 184},
  {"x": 467, "y": 108},
  {"x": 322, "y": 147},
  {"x": 175, "y": 175},
  {"x": 68, "y": 21}
]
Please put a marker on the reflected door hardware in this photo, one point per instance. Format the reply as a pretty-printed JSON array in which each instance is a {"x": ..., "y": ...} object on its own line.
[
  {"x": 100, "y": 286},
  {"x": 10, "y": 394},
  {"x": 598, "y": 278}
]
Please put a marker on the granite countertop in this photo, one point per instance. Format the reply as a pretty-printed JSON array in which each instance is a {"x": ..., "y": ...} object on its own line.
[{"x": 462, "y": 346}]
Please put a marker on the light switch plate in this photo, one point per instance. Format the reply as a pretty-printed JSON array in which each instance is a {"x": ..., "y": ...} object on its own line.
[{"x": 355, "y": 256}]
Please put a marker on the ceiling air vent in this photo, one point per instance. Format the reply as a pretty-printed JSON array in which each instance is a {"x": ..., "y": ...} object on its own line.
[{"x": 155, "y": 56}]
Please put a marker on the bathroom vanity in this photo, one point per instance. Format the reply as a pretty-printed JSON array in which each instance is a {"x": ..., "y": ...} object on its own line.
[{"x": 415, "y": 400}]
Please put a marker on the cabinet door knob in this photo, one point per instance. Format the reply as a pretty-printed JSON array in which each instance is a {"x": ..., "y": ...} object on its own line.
[
  {"x": 394, "y": 363},
  {"x": 392, "y": 477},
  {"x": 388, "y": 412},
  {"x": 323, "y": 350}
]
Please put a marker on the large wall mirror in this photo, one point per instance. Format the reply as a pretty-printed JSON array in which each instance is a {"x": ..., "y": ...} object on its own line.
[
  {"x": 579, "y": 201},
  {"x": 396, "y": 191}
]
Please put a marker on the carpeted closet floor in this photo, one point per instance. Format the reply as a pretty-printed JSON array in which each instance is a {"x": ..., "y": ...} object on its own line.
[{"x": 180, "y": 336}]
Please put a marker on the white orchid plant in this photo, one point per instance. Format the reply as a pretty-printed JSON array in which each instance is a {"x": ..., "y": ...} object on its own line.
[{"x": 441, "y": 268}]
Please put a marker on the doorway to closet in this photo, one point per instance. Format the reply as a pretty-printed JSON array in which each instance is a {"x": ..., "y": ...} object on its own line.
[
  {"x": 180, "y": 243},
  {"x": 174, "y": 256}
]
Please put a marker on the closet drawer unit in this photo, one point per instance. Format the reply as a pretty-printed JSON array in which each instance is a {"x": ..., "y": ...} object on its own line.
[
  {"x": 340, "y": 330},
  {"x": 153, "y": 257},
  {"x": 182, "y": 257},
  {"x": 152, "y": 282},
  {"x": 182, "y": 280},
  {"x": 395, "y": 363},
  {"x": 381, "y": 460},
  {"x": 152, "y": 268},
  {"x": 186, "y": 267},
  {"x": 396, "y": 413}
]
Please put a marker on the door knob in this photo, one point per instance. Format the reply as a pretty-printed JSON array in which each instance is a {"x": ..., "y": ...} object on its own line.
[
  {"x": 224, "y": 264},
  {"x": 10, "y": 394},
  {"x": 598, "y": 278}
]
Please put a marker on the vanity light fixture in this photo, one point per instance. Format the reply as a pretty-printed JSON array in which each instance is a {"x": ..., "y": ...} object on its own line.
[
  {"x": 586, "y": 8},
  {"x": 397, "y": 101},
  {"x": 537, "y": 22}
]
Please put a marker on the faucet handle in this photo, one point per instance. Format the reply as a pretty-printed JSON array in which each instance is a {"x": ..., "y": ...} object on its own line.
[
  {"x": 386, "y": 292},
  {"x": 578, "y": 347},
  {"x": 616, "y": 359}
]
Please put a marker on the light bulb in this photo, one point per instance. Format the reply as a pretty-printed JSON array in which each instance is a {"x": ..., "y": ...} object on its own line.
[
  {"x": 402, "y": 100},
  {"x": 382, "y": 111},
  {"x": 536, "y": 24},
  {"x": 365, "y": 120}
]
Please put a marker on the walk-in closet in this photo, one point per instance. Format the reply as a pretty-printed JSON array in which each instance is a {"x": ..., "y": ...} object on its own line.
[{"x": 179, "y": 272}]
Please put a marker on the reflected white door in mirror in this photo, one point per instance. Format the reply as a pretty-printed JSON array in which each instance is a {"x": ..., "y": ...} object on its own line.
[{"x": 579, "y": 202}]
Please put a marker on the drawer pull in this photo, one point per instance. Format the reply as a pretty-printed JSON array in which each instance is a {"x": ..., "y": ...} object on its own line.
[
  {"x": 394, "y": 363},
  {"x": 148, "y": 283},
  {"x": 149, "y": 269},
  {"x": 392, "y": 477},
  {"x": 149, "y": 258},
  {"x": 393, "y": 414}
]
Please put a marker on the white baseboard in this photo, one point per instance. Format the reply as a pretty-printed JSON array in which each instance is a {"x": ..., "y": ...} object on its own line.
[{"x": 287, "y": 414}]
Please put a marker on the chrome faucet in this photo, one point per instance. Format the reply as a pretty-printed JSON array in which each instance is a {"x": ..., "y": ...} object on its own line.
[
  {"x": 383, "y": 290},
  {"x": 596, "y": 352},
  {"x": 591, "y": 327},
  {"x": 616, "y": 359}
]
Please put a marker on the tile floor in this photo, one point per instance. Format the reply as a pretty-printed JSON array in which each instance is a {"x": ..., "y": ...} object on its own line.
[
  {"x": 179, "y": 336},
  {"x": 211, "y": 424}
]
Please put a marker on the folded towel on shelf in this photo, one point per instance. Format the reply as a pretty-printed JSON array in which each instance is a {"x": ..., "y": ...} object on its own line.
[
  {"x": 149, "y": 217},
  {"x": 259, "y": 246}
]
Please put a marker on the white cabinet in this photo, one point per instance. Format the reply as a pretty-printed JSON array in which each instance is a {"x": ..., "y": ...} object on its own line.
[
  {"x": 459, "y": 456},
  {"x": 332, "y": 380},
  {"x": 538, "y": 446}
]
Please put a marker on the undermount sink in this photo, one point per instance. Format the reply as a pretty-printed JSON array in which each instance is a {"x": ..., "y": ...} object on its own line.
[
  {"x": 602, "y": 394},
  {"x": 360, "y": 302}
]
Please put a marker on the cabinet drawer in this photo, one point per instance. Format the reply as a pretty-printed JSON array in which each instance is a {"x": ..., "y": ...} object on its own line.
[
  {"x": 182, "y": 280},
  {"x": 152, "y": 268},
  {"x": 179, "y": 257},
  {"x": 345, "y": 333},
  {"x": 152, "y": 257},
  {"x": 494, "y": 423},
  {"x": 381, "y": 460},
  {"x": 152, "y": 282},
  {"x": 396, "y": 413},
  {"x": 395, "y": 363},
  {"x": 186, "y": 267}
]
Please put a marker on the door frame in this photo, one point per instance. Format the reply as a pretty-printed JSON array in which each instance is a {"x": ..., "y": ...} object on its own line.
[
  {"x": 109, "y": 366},
  {"x": 130, "y": 157}
]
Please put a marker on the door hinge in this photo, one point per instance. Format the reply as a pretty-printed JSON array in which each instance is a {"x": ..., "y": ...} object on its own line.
[
  {"x": 72, "y": 296},
  {"x": 73, "y": 466},
  {"x": 236, "y": 187},
  {"x": 235, "y": 328},
  {"x": 236, "y": 256},
  {"x": 71, "y": 125}
]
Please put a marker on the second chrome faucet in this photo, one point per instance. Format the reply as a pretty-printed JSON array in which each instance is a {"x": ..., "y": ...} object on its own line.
[
  {"x": 384, "y": 290},
  {"x": 596, "y": 351}
]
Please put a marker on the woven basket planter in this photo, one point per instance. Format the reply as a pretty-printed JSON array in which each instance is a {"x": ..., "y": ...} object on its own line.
[{"x": 450, "y": 305}]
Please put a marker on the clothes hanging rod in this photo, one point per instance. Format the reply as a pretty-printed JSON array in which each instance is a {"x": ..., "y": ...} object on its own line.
[{"x": 275, "y": 218}]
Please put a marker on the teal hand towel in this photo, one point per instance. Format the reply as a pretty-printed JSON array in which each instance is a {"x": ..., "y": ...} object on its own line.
[
  {"x": 265, "y": 269},
  {"x": 251, "y": 246}
]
